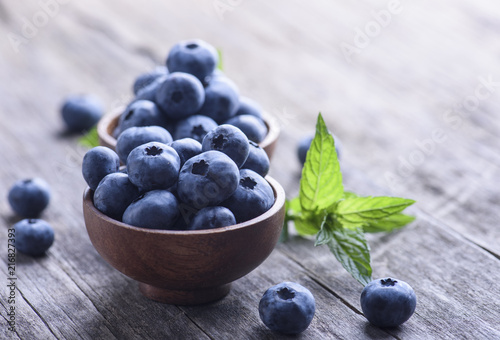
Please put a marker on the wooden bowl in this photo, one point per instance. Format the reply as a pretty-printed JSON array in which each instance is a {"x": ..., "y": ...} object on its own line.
[
  {"x": 109, "y": 122},
  {"x": 185, "y": 267}
]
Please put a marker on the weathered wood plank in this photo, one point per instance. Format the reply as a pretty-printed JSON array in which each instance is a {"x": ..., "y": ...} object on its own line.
[{"x": 384, "y": 105}]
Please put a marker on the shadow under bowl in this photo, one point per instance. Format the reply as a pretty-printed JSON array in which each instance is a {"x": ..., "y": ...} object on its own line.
[
  {"x": 108, "y": 123},
  {"x": 185, "y": 267}
]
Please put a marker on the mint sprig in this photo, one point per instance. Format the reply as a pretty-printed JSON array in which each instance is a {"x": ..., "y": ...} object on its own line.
[{"x": 340, "y": 218}]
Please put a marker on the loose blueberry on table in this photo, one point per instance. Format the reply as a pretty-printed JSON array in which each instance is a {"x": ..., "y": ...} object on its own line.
[
  {"x": 29, "y": 197},
  {"x": 388, "y": 302},
  {"x": 287, "y": 308},
  {"x": 33, "y": 236},
  {"x": 81, "y": 112}
]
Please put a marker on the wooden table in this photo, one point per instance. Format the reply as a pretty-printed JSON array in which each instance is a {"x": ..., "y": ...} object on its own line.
[{"x": 411, "y": 89}]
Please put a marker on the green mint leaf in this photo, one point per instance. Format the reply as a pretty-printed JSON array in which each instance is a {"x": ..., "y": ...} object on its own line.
[
  {"x": 350, "y": 194},
  {"x": 355, "y": 211},
  {"x": 325, "y": 234},
  {"x": 321, "y": 181},
  {"x": 90, "y": 139},
  {"x": 306, "y": 223},
  {"x": 351, "y": 249},
  {"x": 388, "y": 224}
]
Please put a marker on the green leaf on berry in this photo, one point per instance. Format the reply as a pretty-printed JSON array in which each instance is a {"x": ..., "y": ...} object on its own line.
[{"x": 321, "y": 182}]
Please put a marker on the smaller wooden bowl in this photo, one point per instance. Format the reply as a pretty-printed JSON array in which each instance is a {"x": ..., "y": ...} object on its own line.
[
  {"x": 185, "y": 267},
  {"x": 109, "y": 122}
]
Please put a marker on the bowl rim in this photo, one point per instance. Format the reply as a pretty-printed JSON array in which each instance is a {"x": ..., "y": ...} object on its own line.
[
  {"x": 279, "y": 202},
  {"x": 109, "y": 121}
]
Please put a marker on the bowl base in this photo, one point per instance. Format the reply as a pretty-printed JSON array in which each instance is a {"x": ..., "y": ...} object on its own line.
[{"x": 184, "y": 297}]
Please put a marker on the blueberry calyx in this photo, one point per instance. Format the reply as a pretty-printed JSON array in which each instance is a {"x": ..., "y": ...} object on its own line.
[
  {"x": 200, "y": 168},
  {"x": 218, "y": 142},
  {"x": 286, "y": 294},
  {"x": 32, "y": 221},
  {"x": 388, "y": 282},
  {"x": 192, "y": 46},
  {"x": 248, "y": 183},
  {"x": 153, "y": 151},
  {"x": 198, "y": 130},
  {"x": 177, "y": 96}
]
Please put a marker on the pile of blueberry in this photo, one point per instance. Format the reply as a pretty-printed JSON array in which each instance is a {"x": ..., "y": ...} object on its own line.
[
  {"x": 189, "y": 97},
  {"x": 181, "y": 184},
  {"x": 189, "y": 144}
]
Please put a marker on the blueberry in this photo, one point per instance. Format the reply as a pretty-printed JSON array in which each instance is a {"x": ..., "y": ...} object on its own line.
[
  {"x": 138, "y": 135},
  {"x": 257, "y": 160},
  {"x": 114, "y": 194},
  {"x": 195, "y": 127},
  {"x": 186, "y": 148},
  {"x": 81, "y": 112},
  {"x": 156, "y": 209},
  {"x": 252, "y": 126},
  {"x": 97, "y": 163},
  {"x": 149, "y": 91},
  {"x": 207, "y": 179},
  {"x": 229, "y": 140},
  {"x": 249, "y": 106},
  {"x": 212, "y": 217},
  {"x": 253, "y": 197},
  {"x": 287, "y": 308},
  {"x": 145, "y": 79},
  {"x": 305, "y": 143},
  {"x": 193, "y": 56},
  {"x": 152, "y": 166},
  {"x": 388, "y": 302},
  {"x": 33, "y": 236},
  {"x": 141, "y": 113},
  {"x": 221, "y": 100},
  {"x": 180, "y": 95},
  {"x": 29, "y": 197}
]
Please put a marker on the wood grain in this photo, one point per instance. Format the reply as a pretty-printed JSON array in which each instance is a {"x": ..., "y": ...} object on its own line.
[{"x": 417, "y": 109}]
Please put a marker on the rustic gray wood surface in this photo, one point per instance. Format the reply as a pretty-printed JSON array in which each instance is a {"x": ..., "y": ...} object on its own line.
[{"x": 411, "y": 89}]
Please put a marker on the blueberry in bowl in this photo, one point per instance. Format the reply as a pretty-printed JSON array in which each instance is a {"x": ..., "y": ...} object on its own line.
[
  {"x": 185, "y": 267},
  {"x": 107, "y": 127}
]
